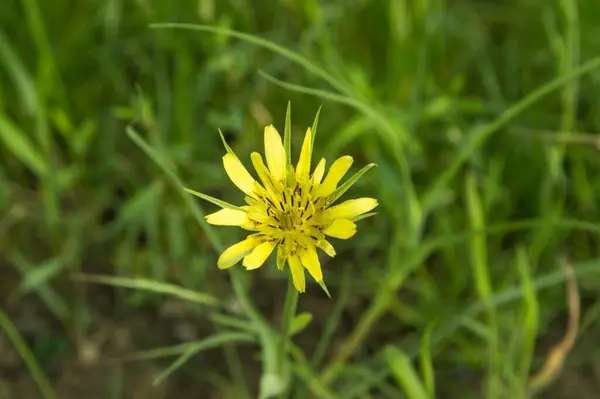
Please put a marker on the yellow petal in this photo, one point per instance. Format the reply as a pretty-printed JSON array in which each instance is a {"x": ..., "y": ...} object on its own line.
[
  {"x": 236, "y": 252},
  {"x": 326, "y": 247},
  {"x": 319, "y": 172},
  {"x": 350, "y": 208},
  {"x": 275, "y": 153},
  {"x": 297, "y": 273},
  {"x": 341, "y": 228},
  {"x": 238, "y": 174},
  {"x": 303, "y": 167},
  {"x": 336, "y": 172},
  {"x": 259, "y": 255},
  {"x": 310, "y": 260},
  {"x": 264, "y": 174},
  {"x": 227, "y": 217}
]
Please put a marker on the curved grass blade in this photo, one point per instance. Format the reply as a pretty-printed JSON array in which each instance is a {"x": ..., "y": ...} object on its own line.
[
  {"x": 324, "y": 94},
  {"x": 151, "y": 286},
  {"x": 284, "y": 52},
  {"x": 477, "y": 139},
  {"x": 193, "y": 348},
  {"x": 213, "y": 200},
  {"x": 196, "y": 210},
  {"x": 28, "y": 358}
]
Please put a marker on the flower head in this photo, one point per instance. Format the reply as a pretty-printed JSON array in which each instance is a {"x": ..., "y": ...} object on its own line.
[{"x": 292, "y": 210}]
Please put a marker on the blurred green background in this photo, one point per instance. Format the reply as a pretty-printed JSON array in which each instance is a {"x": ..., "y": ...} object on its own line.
[{"x": 480, "y": 119}]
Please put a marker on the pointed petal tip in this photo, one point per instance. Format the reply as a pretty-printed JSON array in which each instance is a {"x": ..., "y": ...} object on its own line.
[{"x": 324, "y": 287}]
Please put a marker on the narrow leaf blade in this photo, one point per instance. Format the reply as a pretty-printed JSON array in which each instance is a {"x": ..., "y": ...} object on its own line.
[
  {"x": 313, "y": 130},
  {"x": 192, "y": 349},
  {"x": 350, "y": 182},
  {"x": 21, "y": 147},
  {"x": 152, "y": 286},
  {"x": 227, "y": 147},
  {"x": 213, "y": 200}
]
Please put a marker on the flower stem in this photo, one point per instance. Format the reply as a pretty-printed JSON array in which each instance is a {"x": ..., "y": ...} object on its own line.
[{"x": 289, "y": 312}]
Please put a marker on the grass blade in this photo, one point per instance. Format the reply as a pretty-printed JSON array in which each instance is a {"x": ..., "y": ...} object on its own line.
[
  {"x": 21, "y": 147},
  {"x": 480, "y": 269},
  {"x": 213, "y": 200},
  {"x": 326, "y": 95},
  {"x": 194, "y": 348},
  {"x": 349, "y": 183},
  {"x": 57, "y": 305},
  {"x": 193, "y": 207},
  {"x": 477, "y": 139},
  {"x": 276, "y": 48},
  {"x": 405, "y": 374},
  {"x": 427, "y": 363},
  {"x": 531, "y": 316},
  {"x": 28, "y": 358},
  {"x": 151, "y": 286},
  {"x": 24, "y": 85}
]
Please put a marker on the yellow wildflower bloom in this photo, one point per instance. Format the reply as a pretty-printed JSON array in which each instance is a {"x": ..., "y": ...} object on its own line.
[{"x": 291, "y": 210}]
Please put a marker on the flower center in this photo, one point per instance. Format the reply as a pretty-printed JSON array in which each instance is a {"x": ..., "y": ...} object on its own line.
[{"x": 294, "y": 209}]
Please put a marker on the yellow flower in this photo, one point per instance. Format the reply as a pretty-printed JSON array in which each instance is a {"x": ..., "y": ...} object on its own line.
[{"x": 291, "y": 210}]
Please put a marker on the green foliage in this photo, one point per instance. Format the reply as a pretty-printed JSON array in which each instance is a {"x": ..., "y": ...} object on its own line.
[{"x": 482, "y": 119}]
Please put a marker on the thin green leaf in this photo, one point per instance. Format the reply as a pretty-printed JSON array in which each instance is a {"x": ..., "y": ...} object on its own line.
[
  {"x": 324, "y": 288},
  {"x": 213, "y": 200},
  {"x": 326, "y": 95},
  {"x": 313, "y": 130},
  {"x": 57, "y": 305},
  {"x": 195, "y": 208},
  {"x": 427, "y": 363},
  {"x": 249, "y": 307},
  {"x": 300, "y": 322},
  {"x": 401, "y": 367},
  {"x": 333, "y": 319},
  {"x": 530, "y": 322},
  {"x": 478, "y": 137},
  {"x": 303, "y": 370},
  {"x": 151, "y": 286},
  {"x": 363, "y": 216},
  {"x": 287, "y": 133},
  {"x": 481, "y": 273},
  {"x": 40, "y": 275},
  {"x": 27, "y": 355},
  {"x": 194, "y": 348},
  {"x": 233, "y": 322},
  {"x": 227, "y": 147},
  {"x": 284, "y": 52},
  {"x": 21, "y": 147},
  {"x": 24, "y": 84},
  {"x": 349, "y": 183}
]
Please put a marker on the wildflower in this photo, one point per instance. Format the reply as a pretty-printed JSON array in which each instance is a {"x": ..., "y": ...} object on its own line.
[{"x": 291, "y": 210}]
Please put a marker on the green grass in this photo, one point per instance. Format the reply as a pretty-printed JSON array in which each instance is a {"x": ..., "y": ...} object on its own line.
[{"x": 480, "y": 116}]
